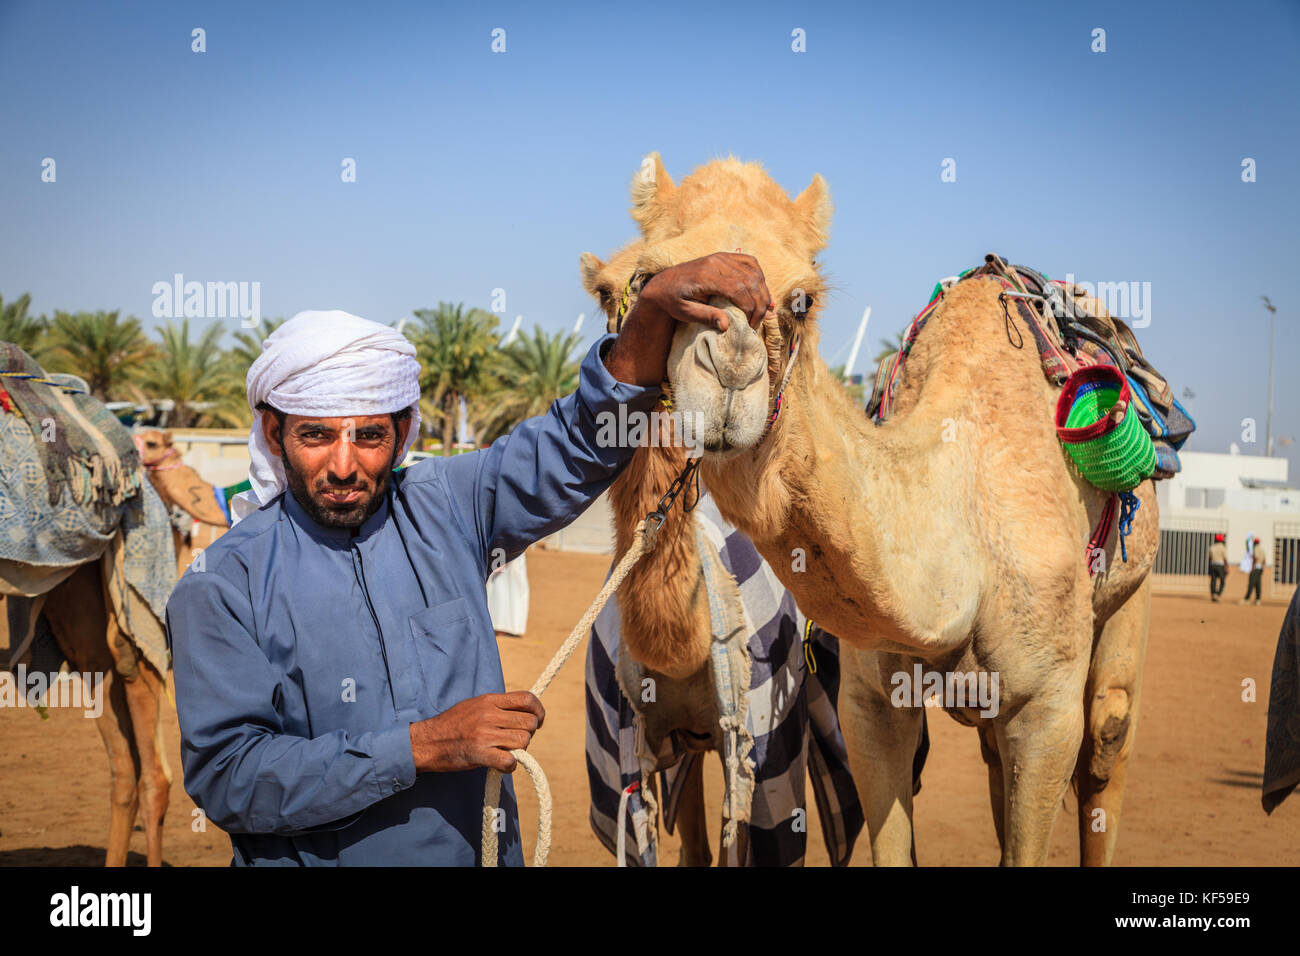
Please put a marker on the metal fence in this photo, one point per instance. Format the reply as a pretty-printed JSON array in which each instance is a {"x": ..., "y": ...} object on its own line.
[
  {"x": 1182, "y": 563},
  {"x": 1286, "y": 559}
]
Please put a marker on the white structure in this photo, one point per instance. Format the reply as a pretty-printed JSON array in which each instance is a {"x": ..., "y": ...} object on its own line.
[
  {"x": 857, "y": 344},
  {"x": 1238, "y": 496}
]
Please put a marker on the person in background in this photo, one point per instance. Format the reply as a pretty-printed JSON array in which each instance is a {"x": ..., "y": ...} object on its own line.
[
  {"x": 1218, "y": 566},
  {"x": 507, "y": 598},
  {"x": 1257, "y": 562}
]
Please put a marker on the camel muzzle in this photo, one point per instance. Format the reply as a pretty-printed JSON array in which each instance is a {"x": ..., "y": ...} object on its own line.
[{"x": 720, "y": 379}]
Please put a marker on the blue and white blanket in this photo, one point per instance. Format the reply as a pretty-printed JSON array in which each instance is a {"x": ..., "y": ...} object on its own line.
[
  {"x": 41, "y": 544},
  {"x": 791, "y": 715}
]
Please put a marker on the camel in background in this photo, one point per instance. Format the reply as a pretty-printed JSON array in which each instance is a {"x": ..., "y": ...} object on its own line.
[
  {"x": 951, "y": 536},
  {"x": 85, "y": 627},
  {"x": 180, "y": 486},
  {"x": 99, "y": 623},
  {"x": 92, "y": 562}
]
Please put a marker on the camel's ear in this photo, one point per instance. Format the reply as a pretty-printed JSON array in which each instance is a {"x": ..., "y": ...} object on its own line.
[
  {"x": 167, "y": 439},
  {"x": 650, "y": 187},
  {"x": 813, "y": 206},
  {"x": 590, "y": 268}
]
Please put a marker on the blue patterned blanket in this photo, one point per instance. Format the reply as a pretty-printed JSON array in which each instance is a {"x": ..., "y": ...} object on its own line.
[
  {"x": 791, "y": 716},
  {"x": 41, "y": 542}
]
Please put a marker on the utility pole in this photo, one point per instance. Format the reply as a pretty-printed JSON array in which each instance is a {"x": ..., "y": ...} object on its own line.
[
  {"x": 514, "y": 330},
  {"x": 857, "y": 344},
  {"x": 1268, "y": 428}
]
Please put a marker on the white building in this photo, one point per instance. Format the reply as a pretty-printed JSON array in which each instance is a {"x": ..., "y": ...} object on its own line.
[{"x": 1239, "y": 496}]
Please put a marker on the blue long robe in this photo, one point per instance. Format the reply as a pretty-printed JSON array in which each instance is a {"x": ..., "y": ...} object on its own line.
[{"x": 302, "y": 653}]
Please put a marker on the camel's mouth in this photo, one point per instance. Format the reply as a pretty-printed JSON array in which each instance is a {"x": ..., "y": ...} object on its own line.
[{"x": 720, "y": 384}]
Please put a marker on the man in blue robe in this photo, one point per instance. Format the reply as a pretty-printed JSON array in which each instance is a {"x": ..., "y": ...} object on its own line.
[{"x": 338, "y": 684}]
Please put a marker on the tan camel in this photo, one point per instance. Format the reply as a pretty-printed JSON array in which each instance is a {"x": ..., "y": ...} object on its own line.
[
  {"x": 669, "y": 631},
  {"x": 85, "y": 626},
  {"x": 953, "y": 535},
  {"x": 82, "y": 611},
  {"x": 180, "y": 486}
]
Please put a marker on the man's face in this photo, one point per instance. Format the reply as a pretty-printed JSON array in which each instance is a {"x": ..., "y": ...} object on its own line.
[{"x": 338, "y": 468}]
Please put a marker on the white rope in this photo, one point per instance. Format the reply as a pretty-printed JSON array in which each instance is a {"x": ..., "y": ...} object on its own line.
[
  {"x": 621, "y": 842},
  {"x": 492, "y": 791}
]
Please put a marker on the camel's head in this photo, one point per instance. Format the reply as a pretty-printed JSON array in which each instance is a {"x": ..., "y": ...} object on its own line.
[
  {"x": 727, "y": 383},
  {"x": 608, "y": 281},
  {"x": 154, "y": 445}
]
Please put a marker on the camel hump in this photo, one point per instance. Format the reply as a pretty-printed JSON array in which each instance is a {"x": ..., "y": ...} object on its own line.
[{"x": 1072, "y": 327}]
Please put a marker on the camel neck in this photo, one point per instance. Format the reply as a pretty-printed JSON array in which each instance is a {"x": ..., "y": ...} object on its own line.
[
  {"x": 840, "y": 507},
  {"x": 666, "y": 626}
]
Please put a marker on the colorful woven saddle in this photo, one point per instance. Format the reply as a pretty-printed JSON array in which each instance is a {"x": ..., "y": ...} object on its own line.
[{"x": 1072, "y": 330}]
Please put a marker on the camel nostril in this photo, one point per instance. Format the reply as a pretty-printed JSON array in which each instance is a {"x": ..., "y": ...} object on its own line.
[
  {"x": 706, "y": 355},
  {"x": 736, "y": 361}
]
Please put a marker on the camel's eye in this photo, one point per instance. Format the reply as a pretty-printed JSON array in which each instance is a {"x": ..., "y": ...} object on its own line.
[{"x": 801, "y": 302}]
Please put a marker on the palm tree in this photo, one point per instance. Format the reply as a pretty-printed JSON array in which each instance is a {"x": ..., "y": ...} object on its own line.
[
  {"x": 457, "y": 349},
  {"x": 250, "y": 344},
  {"x": 535, "y": 371},
  {"x": 101, "y": 347},
  {"x": 858, "y": 393},
  {"x": 23, "y": 330},
  {"x": 195, "y": 374}
]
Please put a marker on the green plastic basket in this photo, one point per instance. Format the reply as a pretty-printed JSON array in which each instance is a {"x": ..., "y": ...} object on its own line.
[{"x": 1113, "y": 456}]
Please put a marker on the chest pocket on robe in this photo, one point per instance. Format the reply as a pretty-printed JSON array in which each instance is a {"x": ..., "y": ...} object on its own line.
[{"x": 448, "y": 651}]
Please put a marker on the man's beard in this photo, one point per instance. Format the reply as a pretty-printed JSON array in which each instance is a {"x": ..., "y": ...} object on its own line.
[{"x": 335, "y": 516}]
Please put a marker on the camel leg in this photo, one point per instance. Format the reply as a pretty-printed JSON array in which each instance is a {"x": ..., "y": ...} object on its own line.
[
  {"x": 144, "y": 692},
  {"x": 1114, "y": 690},
  {"x": 997, "y": 796},
  {"x": 690, "y": 819},
  {"x": 881, "y": 740},
  {"x": 77, "y": 617},
  {"x": 143, "y": 698},
  {"x": 114, "y": 726},
  {"x": 1039, "y": 746}
]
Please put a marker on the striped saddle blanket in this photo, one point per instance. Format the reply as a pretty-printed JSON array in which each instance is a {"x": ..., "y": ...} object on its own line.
[{"x": 790, "y": 715}]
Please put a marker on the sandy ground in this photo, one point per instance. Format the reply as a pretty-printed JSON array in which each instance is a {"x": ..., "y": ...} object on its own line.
[{"x": 1193, "y": 791}]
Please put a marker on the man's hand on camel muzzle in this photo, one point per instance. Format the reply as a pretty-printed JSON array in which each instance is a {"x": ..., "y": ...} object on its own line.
[{"x": 681, "y": 294}]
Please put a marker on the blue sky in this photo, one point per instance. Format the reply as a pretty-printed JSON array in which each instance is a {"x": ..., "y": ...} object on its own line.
[{"x": 479, "y": 170}]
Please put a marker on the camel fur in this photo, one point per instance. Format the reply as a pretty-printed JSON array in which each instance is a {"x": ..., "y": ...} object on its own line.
[
  {"x": 953, "y": 535},
  {"x": 664, "y": 605},
  {"x": 180, "y": 486}
]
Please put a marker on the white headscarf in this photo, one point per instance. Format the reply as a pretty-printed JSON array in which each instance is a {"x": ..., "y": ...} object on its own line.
[{"x": 330, "y": 364}]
